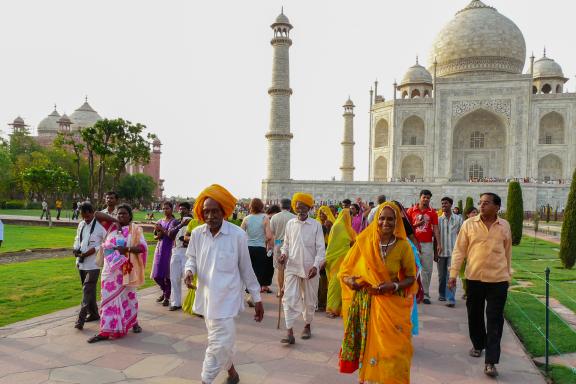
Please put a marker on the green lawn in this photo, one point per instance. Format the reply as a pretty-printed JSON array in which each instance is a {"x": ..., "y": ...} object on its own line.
[
  {"x": 66, "y": 213},
  {"x": 526, "y": 312},
  {"x": 39, "y": 287},
  {"x": 21, "y": 237}
]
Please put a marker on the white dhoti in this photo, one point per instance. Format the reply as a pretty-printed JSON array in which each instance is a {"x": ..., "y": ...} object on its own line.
[
  {"x": 221, "y": 339},
  {"x": 300, "y": 298},
  {"x": 177, "y": 263}
]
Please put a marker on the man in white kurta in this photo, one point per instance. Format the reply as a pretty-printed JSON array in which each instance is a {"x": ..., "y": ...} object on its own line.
[
  {"x": 218, "y": 255},
  {"x": 303, "y": 252},
  {"x": 178, "y": 259}
]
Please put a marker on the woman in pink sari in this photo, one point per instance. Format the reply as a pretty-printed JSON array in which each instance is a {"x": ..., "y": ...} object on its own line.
[{"x": 124, "y": 258}]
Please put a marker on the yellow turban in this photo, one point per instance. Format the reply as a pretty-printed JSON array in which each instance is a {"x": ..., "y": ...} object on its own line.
[
  {"x": 222, "y": 197},
  {"x": 303, "y": 198}
]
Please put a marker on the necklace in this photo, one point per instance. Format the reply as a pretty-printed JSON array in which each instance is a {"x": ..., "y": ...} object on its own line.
[{"x": 384, "y": 247}]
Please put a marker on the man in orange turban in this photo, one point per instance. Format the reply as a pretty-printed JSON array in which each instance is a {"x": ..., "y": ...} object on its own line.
[
  {"x": 302, "y": 252},
  {"x": 218, "y": 256}
]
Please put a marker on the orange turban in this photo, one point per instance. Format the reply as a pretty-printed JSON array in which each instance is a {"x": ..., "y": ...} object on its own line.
[
  {"x": 222, "y": 197},
  {"x": 303, "y": 198}
]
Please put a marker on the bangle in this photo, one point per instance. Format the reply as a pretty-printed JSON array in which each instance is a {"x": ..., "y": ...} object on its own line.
[{"x": 396, "y": 286}]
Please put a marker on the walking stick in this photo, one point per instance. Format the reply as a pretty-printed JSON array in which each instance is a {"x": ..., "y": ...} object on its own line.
[{"x": 279, "y": 309}]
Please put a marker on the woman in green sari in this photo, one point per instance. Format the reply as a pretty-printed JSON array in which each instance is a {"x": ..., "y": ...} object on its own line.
[{"x": 341, "y": 238}]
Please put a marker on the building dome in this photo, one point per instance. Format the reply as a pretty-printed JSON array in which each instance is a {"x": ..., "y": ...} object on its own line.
[
  {"x": 478, "y": 40},
  {"x": 64, "y": 120},
  {"x": 416, "y": 74},
  {"x": 156, "y": 142},
  {"x": 282, "y": 19},
  {"x": 546, "y": 67},
  {"x": 18, "y": 121},
  {"x": 49, "y": 125},
  {"x": 85, "y": 116},
  {"x": 349, "y": 103}
]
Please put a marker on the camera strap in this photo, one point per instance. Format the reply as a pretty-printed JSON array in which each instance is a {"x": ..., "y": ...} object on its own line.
[{"x": 91, "y": 230}]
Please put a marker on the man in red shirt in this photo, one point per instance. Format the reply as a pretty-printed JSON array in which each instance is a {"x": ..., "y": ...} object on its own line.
[{"x": 425, "y": 222}]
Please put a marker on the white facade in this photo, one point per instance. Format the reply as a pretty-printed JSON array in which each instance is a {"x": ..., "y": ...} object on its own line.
[{"x": 467, "y": 124}]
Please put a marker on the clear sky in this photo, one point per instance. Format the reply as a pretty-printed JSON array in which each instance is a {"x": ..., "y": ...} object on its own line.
[{"x": 197, "y": 72}]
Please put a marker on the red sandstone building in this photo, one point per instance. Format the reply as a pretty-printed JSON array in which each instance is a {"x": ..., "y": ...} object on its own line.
[{"x": 83, "y": 117}]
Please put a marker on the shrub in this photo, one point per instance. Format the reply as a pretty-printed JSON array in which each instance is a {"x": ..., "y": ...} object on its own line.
[
  {"x": 515, "y": 211},
  {"x": 469, "y": 203},
  {"x": 460, "y": 207},
  {"x": 15, "y": 204},
  {"x": 34, "y": 205},
  {"x": 568, "y": 236}
]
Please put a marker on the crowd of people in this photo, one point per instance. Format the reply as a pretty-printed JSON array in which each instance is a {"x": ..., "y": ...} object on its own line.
[{"x": 370, "y": 264}]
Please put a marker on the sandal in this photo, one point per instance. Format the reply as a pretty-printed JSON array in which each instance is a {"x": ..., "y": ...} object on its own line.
[
  {"x": 490, "y": 370},
  {"x": 475, "y": 352},
  {"x": 97, "y": 338},
  {"x": 137, "y": 328},
  {"x": 289, "y": 339},
  {"x": 306, "y": 333},
  {"x": 331, "y": 315}
]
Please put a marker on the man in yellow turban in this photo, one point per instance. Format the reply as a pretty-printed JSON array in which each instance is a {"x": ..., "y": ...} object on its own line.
[
  {"x": 302, "y": 252},
  {"x": 218, "y": 256}
]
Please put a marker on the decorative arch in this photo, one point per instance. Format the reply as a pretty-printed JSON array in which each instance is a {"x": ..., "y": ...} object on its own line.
[
  {"x": 412, "y": 168},
  {"x": 404, "y": 94},
  {"x": 381, "y": 169},
  {"x": 381, "y": 134},
  {"x": 551, "y": 129},
  {"x": 546, "y": 88},
  {"x": 558, "y": 88},
  {"x": 413, "y": 131},
  {"x": 479, "y": 142},
  {"x": 415, "y": 93},
  {"x": 549, "y": 168},
  {"x": 426, "y": 93}
]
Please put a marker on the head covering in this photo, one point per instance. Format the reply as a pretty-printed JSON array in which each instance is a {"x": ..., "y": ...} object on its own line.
[
  {"x": 399, "y": 230},
  {"x": 344, "y": 219},
  {"x": 327, "y": 212},
  {"x": 222, "y": 197},
  {"x": 303, "y": 198}
]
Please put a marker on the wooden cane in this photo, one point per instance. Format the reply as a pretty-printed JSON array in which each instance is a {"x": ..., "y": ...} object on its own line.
[{"x": 279, "y": 310}]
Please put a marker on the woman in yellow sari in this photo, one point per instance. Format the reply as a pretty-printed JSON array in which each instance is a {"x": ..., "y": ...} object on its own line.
[
  {"x": 378, "y": 277},
  {"x": 326, "y": 219},
  {"x": 341, "y": 238}
]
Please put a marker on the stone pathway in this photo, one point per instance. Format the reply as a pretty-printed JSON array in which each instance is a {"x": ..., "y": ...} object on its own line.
[{"x": 48, "y": 349}]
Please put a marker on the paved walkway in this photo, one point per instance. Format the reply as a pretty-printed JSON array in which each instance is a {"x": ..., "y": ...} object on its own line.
[{"x": 48, "y": 349}]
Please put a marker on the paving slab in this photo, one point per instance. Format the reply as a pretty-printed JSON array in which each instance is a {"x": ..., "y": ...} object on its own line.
[{"x": 47, "y": 349}]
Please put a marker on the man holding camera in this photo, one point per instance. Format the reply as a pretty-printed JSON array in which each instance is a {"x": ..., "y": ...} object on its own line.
[{"x": 89, "y": 237}]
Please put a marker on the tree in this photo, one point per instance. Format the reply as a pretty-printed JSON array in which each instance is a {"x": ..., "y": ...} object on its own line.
[
  {"x": 72, "y": 140},
  {"x": 515, "y": 211},
  {"x": 138, "y": 188},
  {"x": 45, "y": 182},
  {"x": 469, "y": 204},
  {"x": 460, "y": 207},
  {"x": 568, "y": 235},
  {"x": 6, "y": 173}
]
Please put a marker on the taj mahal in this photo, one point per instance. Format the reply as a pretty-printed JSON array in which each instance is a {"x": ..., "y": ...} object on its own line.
[{"x": 478, "y": 115}]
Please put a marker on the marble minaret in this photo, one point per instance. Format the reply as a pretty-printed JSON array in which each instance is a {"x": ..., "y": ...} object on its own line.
[
  {"x": 279, "y": 135},
  {"x": 347, "y": 167}
]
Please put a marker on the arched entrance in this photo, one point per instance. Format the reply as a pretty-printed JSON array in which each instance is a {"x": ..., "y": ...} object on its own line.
[
  {"x": 549, "y": 168},
  {"x": 551, "y": 129},
  {"x": 381, "y": 134},
  {"x": 412, "y": 168},
  {"x": 413, "y": 131},
  {"x": 479, "y": 146},
  {"x": 381, "y": 169}
]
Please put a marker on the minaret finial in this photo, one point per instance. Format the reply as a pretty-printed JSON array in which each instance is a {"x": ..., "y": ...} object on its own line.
[
  {"x": 417, "y": 59},
  {"x": 54, "y": 106},
  {"x": 544, "y": 51},
  {"x": 86, "y": 98},
  {"x": 282, "y": 10}
]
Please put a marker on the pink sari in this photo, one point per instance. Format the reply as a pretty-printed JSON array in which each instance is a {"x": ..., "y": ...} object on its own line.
[{"x": 119, "y": 308}]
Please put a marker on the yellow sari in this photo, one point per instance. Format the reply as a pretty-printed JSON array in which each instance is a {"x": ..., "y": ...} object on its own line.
[
  {"x": 388, "y": 348},
  {"x": 341, "y": 235}
]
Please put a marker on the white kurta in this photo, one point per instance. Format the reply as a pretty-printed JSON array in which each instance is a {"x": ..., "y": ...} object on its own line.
[
  {"x": 177, "y": 265},
  {"x": 222, "y": 264},
  {"x": 304, "y": 245}
]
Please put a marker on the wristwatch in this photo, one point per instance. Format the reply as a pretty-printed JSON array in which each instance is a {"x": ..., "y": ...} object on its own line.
[{"x": 396, "y": 286}]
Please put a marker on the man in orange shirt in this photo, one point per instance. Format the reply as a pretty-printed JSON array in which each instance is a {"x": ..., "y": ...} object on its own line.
[{"x": 485, "y": 241}]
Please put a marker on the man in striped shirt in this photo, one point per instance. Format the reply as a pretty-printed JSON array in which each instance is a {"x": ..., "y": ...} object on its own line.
[{"x": 449, "y": 225}]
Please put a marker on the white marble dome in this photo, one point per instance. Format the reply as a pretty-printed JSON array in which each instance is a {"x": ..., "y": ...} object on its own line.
[
  {"x": 49, "y": 125},
  {"x": 282, "y": 19},
  {"x": 85, "y": 116},
  {"x": 546, "y": 67},
  {"x": 416, "y": 74},
  {"x": 478, "y": 40}
]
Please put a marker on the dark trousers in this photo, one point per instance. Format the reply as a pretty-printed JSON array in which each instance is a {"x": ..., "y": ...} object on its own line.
[
  {"x": 165, "y": 286},
  {"x": 88, "y": 306},
  {"x": 489, "y": 297},
  {"x": 59, "y": 211},
  {"x": 322, "y": 290},
  {"x": 47, "y": 212}
]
